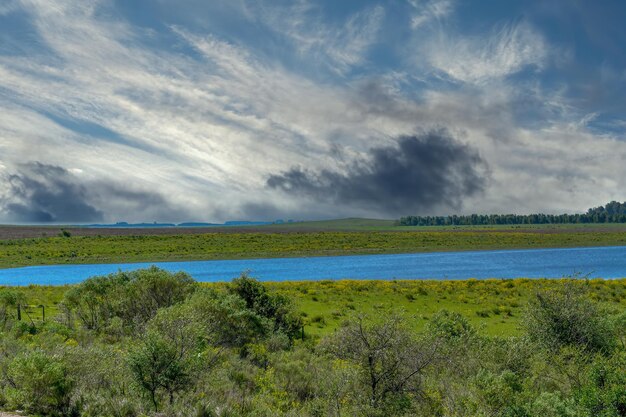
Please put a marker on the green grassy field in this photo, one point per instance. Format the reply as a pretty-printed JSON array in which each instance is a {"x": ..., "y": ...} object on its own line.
[
  {"x": 112, "y": 249},
  {"x": 494, "y": 306}
]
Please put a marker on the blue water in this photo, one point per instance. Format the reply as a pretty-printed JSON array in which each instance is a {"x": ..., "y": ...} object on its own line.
[{"x": 604, "y": 262}]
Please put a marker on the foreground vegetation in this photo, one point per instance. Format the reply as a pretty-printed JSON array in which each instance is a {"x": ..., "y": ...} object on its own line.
[
  {"x": 151, "y": 343},
  {"x": 493, "y": 306},
  {"x": 113, "y": 249}
]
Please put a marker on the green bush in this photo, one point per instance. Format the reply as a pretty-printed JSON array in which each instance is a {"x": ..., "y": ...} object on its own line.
[
  {"x": 603, "y": 393},
  {"x": 566, "y": 316},
  {"x": 39, "y": 384},
  {"x": 225, "y": 319},
  {"x": 450, "y": 326},
  {"x": 276, "y": 307},
  {"x": 158, "y": 366},
  {"x": 550, "y": 404},
  {"x": 135, "y": 297}
]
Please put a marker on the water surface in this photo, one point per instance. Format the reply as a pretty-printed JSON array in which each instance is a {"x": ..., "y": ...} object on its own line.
[{"x": 602, "y": 262}]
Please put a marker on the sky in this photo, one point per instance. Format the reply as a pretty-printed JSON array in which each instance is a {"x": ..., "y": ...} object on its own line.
[{"x": 194, "y": 110}]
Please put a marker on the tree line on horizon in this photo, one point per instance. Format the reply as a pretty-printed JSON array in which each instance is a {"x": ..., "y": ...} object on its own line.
[{"x": 613, "y": 212}]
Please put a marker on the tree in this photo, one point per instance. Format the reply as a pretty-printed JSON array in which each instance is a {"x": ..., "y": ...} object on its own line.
[
  {"x": 392, "y": 362},
  {"x": 96, "y": 300},
  {"x": 9, "y": 301},
  {"x": 158, "y": 366},
  {"x": 135, "y": 297},
  {"x": 275, "y": 307},
  {"x": 154, "y": 288}
]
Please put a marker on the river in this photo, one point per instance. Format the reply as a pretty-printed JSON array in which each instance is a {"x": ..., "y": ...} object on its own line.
[{"x": 602, "y": 262}]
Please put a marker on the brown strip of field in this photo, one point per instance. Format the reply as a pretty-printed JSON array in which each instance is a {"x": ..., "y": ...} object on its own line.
[{"x": 29, "y": 232}]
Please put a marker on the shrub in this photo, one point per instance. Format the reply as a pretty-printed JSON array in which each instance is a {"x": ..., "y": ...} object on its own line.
[
  {"x": 604, "y": 390},
  {"x": 391, "y": 360},
  {"x": 9, "y": 300},
  {"x": 226, "y": 321},
  {"x": 157, "y": 366},
  {"x": 276, "y": 307},
  {"x": 549, "y": 404},
  {"x": 134, "y": 297},
  {"x": 450, "y": 326},
  {"x": 567, "y": 317},
  {"x": 40, "y": 384}
]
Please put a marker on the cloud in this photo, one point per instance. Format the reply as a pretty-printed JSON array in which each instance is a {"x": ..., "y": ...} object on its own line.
[
  {"x": 42, "y": 193},
  {"x": 198, "y": 114},
  {"x": 8, "y": 6},
  {"x": 420, "y": 174},
  {"x": 507, "y": 50},
  {"x": 46, "y": 193},
  {"x": 339, "y": 46},
  {"x": 430, "y": 11}
]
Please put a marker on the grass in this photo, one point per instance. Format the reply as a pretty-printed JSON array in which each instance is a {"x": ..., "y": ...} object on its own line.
[
  {"x": 495, "y": 307},
  {"x": 114, "y": 249}
]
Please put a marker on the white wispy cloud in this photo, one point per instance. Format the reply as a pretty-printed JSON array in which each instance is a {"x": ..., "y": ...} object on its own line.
[
  {"x": 430, "y": 11},
  {"x": 340, "y": 46},
  {"x": 8, "y": 6},
  {"x": 478, "y": 59}
]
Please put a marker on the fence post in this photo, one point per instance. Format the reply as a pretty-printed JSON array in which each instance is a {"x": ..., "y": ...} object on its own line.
[{"x": 19, "y": 312}]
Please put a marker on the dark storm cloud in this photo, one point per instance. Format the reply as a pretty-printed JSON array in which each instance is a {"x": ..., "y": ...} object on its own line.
[
  {"x": 41, "y": 193},
  {"x": 46, "y": 193},
  {"x": 421, "y": 173}
]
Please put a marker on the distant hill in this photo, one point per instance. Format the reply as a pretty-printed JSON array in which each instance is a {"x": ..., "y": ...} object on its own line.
[
  {"x": 197, "y": 224},
  {"x": 185, "y": 224},
  {"x": 246, "y": 223},
  {"x": 131, "y": 225}
]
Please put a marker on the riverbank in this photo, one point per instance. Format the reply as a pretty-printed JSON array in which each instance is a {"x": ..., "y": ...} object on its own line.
[
  {"x": 214, "y": 246},
  {"x": 493, "y": 306}
]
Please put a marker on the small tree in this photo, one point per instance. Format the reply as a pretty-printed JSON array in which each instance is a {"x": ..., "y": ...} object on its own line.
[
  {"x": 275, "y": 307},
  {"x": 157, "y": 366},
  {"x": 151, "y": 289},
  {"x": 225, "y": 319},
  {"x": 392, "y": 361},
  {"x": 10, "y": 300},
  {"x": 96, "y": 300}
]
